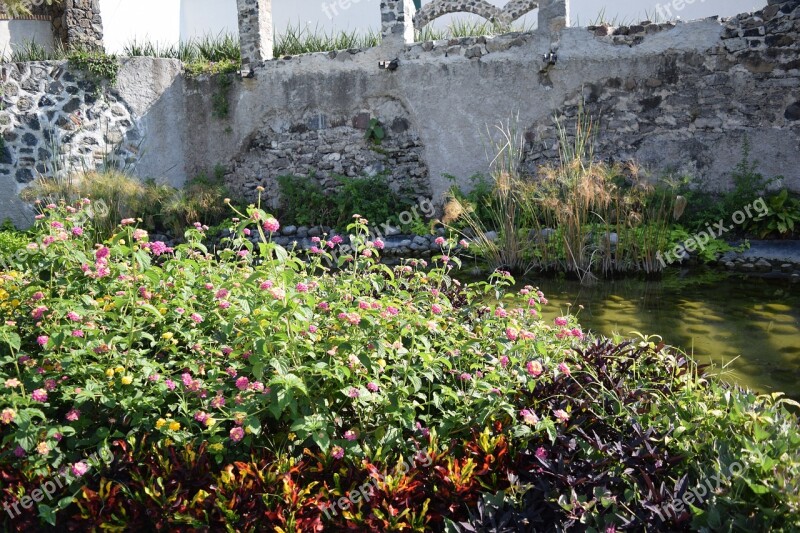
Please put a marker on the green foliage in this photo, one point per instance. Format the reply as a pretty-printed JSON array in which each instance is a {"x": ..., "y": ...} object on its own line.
[
  {"x": 297, "y": 40},
  {"x": 782, "y": 219},
  {"x": 304, "y": 202},
  {"x": 478, "y": 200},
  {"x": 459, "y": 28},
  {"x": 117, "y": 196},
  {"x": 207, "y": 55},
  {"x": 278, "y": 386},
  {"x": 96, "y": 63},
  {"x": 375, "y": 132},
  {"x": 11, "y": 242},
  {"x": 704, "y": 207},
  {"x": 712, "y": 250},
  {"x": 219, "y": 99}
]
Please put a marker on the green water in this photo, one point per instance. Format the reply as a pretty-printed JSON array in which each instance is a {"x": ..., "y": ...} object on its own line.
[{"x": 748, "y": 328}]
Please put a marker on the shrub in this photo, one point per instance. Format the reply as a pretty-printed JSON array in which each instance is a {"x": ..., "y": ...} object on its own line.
[{"x": 252, "y": 392}]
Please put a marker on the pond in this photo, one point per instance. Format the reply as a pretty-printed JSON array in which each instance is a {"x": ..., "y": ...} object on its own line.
[{"x": 747, "y": 327}]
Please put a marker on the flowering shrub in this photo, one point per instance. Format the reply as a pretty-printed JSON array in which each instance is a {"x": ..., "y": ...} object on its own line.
[{"x": 246, "y": 387}]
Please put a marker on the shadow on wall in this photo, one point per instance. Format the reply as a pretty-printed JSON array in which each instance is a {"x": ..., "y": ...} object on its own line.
[
  {"x": 56, "y": 121},
  {"x": 17, "y": 34}
]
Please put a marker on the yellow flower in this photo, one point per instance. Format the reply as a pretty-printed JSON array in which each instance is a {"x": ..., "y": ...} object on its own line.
[
  {"x": 168, "y": 335},
  {"x": 163, "y": 310},
  {"x": 174, "y": 426},
  {"x": 244, "y": 320},
  {"x": 216, "y": 447},
  {"x": 210, "y": 422},
  {"x": 110, "y": 372},
  {"x": 160, "y": 423},
  {"x": 126, "y": 380},
  {"x": 119, "y": 369}
]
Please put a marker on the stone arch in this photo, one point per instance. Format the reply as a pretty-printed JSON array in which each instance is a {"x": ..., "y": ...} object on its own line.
[{"x": 438, "y": 8}]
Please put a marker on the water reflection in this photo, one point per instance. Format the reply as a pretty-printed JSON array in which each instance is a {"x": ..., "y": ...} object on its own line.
[{"x": 748, "y": 328}]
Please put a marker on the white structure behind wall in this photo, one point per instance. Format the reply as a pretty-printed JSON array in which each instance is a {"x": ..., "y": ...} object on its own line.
[
  {"x": 165, "y": 21},
  {"x": 208, "y": 17},
  {"x": 15, "y": 34}
]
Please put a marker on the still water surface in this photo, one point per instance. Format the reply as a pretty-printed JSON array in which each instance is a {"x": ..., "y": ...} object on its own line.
[{"x": 748, "y": 328}]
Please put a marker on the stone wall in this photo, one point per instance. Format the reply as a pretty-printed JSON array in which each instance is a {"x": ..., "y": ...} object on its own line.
[
  {"x": 54, "y": 118},
  {"x": 325, "y": 146},
  {"x": 80, "y": 24},
  {"x": 675, "y": 97}
]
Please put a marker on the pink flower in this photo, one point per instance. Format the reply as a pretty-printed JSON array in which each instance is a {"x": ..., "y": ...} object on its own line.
[
  {"x": 271, "y": 225},
  {"x": 201, "y": 417},
  {"x": 50, "y": 385},
  {"x": 159, "y": 248},
  {"x": 541, "y": 453},
  {"x": 563, "y": 368},
  {"x": 170, "y": 384},
  {"x": 19, "y": 452},
  {"x": 561, "y": 321},
  {"x": 242, "y": 383},
  {"x": 312, "y": 328},
  {"x": 379, "y": 244},
  {"x": 102, "y": 253},
  {"x": 534, "y": 368},
  {"x": 38, "y": 295},
  {"x": 12, "y": 382},
  {"x": 466, "y": 376},
  {"x": 218, "y": 401},
  {"x": 440, "y": 241},
  {"x": 324, "y": 306},
  {"x": 337, "y": 452},
  {"x": 301, "y": 287},
  {"x": 128, "y": 221},
  {"x": 373, "y": 387},
  {"x": 237, "y": 434},
  {"x": 72, "y": 315},
  {"x": 139, "y": 234},
  {"x": 73, "y": 415},
  {"x": 79, "y": 469},
  {"x": 464, "y": 244},
  {"x": 353, "y": 392},
  {"x": 222, "y": 293},
  {"x": 196, "y": 318},
  {"x": 7, "y": 416},
  {"x": 512, "y": 334},
  {"x": 39, "y": 395},
  {"x": 529, "y": 417},
  {"x": 561, "y": 415},
  {"x": 42, "y": 340},
  {"x": 224, "y": 304},
  {"x": 436, "y": 309},
  {"x": 350, "y": 435},
  {"x": 39, "y": 311},
  {"x": 242, "y": 253},
  {"x": 504, "y": 361},
  {"x": 577, "y": 333},
  {"x": 77, "y": 231},
  {"x": 500, "y": 312},
  {"x": 77, "y": 333}
]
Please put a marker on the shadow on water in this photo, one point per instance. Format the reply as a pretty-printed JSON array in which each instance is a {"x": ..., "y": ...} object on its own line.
[{"x": 748, "y": 328}]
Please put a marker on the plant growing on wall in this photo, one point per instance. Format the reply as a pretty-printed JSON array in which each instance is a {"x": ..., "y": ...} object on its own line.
[
  {"x": 375, "y": 131},
  {"x": 219, "y": 100},
  {"x": 97, "y": 64}
]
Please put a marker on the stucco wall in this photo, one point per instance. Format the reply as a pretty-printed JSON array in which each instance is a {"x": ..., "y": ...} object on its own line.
[{"x": 674, "y": 97}]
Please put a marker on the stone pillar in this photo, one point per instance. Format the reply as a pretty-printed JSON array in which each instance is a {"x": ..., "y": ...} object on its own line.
[
  {"x": 553, "y": 16},
  {"x": 81, "y": 24},
  {"x": 397, "y": 23},
  {"x": 255, "y": 32}
]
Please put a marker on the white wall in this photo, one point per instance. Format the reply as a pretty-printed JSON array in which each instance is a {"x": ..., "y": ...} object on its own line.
[
  {"x": 204, "y": 17},
  {"x": 17, "y": 33},
  {"x": 154, "y": 20}
]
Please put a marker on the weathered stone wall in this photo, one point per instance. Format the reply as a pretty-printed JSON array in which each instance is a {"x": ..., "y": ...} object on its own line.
[
  {"x": 80, "y": 24},
  {"x": 676, "y": 97},
  {"x": 325, "y": 146},
  {"x": 694, "y": 106},
  {"x": 54, "y": 118}
]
